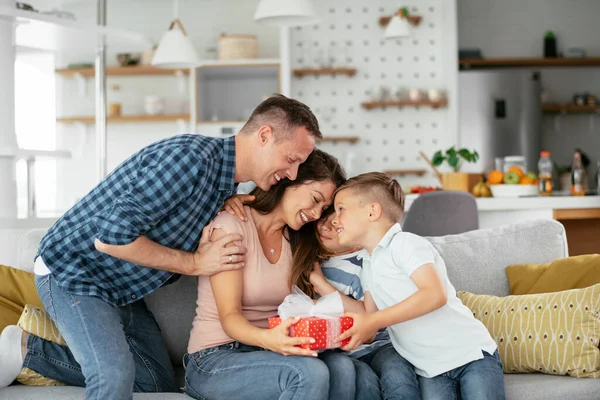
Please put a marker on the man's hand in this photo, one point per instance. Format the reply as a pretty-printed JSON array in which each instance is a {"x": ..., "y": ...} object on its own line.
[
  {"x": 235, "y": 205},
  {"x": 319, "y": 282},
  {"x": 221, "y": 255},
  {"x": 362, "y": 330},
  {"x": 279, "y": 340}
]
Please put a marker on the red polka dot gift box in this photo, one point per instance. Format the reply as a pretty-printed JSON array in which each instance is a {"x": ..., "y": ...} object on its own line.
[{"x": 323, "y": 330}]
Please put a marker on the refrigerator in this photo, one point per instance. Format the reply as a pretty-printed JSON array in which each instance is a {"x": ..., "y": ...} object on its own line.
[{"x": 500, "y": 114}]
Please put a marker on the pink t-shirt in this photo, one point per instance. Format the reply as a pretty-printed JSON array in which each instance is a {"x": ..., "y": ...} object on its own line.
[{"x": 264, "y": 288}]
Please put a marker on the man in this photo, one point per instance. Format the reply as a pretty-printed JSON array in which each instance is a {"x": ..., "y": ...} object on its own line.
[{"x": 143, "y": 226}]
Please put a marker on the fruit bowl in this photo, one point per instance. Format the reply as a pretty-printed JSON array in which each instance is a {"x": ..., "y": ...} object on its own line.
[{"x": 502, "y": 190}]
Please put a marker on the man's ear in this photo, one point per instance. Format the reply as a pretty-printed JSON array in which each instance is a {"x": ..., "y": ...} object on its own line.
[
  {"x": 375, "y": 211},
  {"x": 265, "y": 133}
]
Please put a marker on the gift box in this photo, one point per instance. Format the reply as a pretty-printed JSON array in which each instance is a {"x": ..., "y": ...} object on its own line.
[
  {"x": 323, "y": 330},
  {"x": 322, "y": 320}
]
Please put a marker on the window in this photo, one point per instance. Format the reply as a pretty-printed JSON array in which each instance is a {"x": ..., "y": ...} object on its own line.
[{"x": 35, "y": 123}]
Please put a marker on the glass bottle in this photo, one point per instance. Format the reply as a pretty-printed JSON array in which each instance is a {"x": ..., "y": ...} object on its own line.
[
  {"x": 545, "y": 174},
  {"x": 577, "y": 176}
]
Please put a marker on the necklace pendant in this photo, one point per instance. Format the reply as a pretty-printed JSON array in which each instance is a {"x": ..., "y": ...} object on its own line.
[{"x": 272, "y": 250}]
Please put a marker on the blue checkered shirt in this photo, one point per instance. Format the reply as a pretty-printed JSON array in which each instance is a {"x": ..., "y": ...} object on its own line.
[{"x": 167, "y": 192}]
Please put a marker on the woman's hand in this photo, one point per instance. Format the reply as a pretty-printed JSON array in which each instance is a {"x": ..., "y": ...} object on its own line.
[
  {"x": 235, "y": 205},
  {"x": 279, "y": 340},
  {"x": 320, "y": 284}
]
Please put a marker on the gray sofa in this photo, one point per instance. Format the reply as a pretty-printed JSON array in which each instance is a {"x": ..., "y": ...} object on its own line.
[{"x": 475, "y": 261}]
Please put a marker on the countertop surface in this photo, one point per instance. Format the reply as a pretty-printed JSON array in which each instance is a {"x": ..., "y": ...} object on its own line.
[{"x": 528, "y": 203}]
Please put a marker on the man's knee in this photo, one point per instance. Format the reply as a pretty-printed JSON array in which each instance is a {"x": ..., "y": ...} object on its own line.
[{"x": 111, "y": 378}]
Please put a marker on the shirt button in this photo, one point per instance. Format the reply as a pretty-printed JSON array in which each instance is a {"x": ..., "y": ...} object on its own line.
[
  {"x": 160, "y": 281},
  {"x": 133, "y": 296}
]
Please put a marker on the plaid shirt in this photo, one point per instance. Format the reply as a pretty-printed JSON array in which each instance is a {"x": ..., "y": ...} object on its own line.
[{"x": 167, "y": 192}]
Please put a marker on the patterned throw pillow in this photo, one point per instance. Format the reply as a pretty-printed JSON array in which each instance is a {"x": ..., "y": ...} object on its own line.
[
  {"x": 554, "y": 333},
  {"x": 36, "y": 321}
]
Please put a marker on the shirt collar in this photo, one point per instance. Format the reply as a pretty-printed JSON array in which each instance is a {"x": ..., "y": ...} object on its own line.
[
  {"x": 389, "y": 235},
  {"x": 226, "y": 180}
]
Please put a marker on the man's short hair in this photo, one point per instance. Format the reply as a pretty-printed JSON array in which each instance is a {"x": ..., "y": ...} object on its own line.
[
  {"x": 283, "y": 114},
  {"x": 381, "y": 188}
]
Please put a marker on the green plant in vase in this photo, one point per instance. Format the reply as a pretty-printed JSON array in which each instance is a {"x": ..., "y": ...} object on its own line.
[{"x": 454, "y": 158}]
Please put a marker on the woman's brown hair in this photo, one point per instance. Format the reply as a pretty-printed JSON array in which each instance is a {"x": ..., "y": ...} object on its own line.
[{"x": 319, "y": 167}]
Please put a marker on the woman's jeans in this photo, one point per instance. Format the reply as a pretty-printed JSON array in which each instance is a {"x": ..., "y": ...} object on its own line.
[
  {"x": 479, "y": 379},
  {"x": 112, "y": 351},
  {"x": 238, "y": 371}
]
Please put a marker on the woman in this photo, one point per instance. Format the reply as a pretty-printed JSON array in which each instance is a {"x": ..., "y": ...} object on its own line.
[{"x": 226, "y": 357}]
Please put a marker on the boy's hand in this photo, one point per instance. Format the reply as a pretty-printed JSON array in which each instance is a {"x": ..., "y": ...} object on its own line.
[
  {"x": 319, "y": 282},
  {"x": 362, "y": 330},
  {"x": 235, "y": 205}
]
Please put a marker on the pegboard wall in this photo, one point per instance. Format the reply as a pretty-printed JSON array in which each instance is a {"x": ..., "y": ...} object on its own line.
[{"x": 349, "y": 35}]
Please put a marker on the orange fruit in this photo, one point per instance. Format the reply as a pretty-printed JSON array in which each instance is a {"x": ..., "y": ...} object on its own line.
[
  {"x": 518, "y": 170},
  {"x": 495, "y": 177},
  {"x": 526, "y": 181}
]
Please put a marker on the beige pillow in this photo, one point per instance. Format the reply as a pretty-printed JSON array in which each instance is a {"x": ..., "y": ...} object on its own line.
[
  {"x": 36, "y": 321},
  {"x": 554, "y": 333}
]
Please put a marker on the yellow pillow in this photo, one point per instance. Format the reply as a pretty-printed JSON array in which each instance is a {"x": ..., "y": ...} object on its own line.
[
  {"x": 17, "y": 288},
  {"x": 554, "y": 333},
  {"x": 36, "y": 321},
  {"x": 562, "y": 274}
]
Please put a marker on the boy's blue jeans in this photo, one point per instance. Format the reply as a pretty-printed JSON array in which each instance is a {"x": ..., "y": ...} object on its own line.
[
  {"x": 112, "y": 351},
  {"x": 479, "y": 379}
]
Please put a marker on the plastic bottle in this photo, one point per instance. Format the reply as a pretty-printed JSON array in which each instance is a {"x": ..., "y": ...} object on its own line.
[
  {"x": 577, "y": 176},
  {"x": 545, "y": 174}
]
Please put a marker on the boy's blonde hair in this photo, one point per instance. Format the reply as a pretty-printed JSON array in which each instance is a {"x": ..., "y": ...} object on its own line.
[{"x": 381, "y": 188}]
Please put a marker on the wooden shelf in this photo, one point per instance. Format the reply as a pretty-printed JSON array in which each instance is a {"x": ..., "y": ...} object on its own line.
[
  {"x": 301, "y": 72},
  {"x": 221, "y": 122},
  {"x": 402, "y": 172},
  {"x": 340, "y": 139},
  {"x": 569, "y": 108},
  {"x": 528, "y": 62},
  {"x": 404, "y": 103},
  {"x": 122, "y": 71},
  {"x": 126, "y": 119}
]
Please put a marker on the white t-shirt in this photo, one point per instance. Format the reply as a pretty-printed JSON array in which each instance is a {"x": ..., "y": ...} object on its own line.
[{"x": 434, "y": 343}]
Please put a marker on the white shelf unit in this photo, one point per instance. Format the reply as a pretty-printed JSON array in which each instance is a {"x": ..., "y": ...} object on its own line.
[
  {"x": 50, "y": 33},
  {"x": 228, "y": 91}
]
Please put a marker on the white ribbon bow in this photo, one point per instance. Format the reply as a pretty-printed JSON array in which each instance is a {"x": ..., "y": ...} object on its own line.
[{"x": 298, "y": 304}]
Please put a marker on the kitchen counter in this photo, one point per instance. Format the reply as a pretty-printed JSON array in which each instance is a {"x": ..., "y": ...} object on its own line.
[
  {"x": 528, "y": 203},
  {"x": 580, "y": 216}
]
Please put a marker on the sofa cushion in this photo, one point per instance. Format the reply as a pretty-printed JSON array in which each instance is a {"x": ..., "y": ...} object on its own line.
[
  {"x": 174, "y": 308},
  {"x": 17, "y": 289},
  {"x": 549, "y": 387},
  {"x": 476, "y": 260},
  {"x": 562, "y": 274},
  {"x": 554, "y": 333}
]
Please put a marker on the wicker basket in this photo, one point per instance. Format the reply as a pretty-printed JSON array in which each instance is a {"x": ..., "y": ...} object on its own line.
[{"x": 235, "y": 47}]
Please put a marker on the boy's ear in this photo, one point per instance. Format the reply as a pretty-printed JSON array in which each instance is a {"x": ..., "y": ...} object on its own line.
[{"x": 375, "y": 211}]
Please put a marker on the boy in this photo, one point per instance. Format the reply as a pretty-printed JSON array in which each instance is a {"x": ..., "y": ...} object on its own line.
[
  {"x": 407, "y": 290},
  {"x": 341, "y": 270}
]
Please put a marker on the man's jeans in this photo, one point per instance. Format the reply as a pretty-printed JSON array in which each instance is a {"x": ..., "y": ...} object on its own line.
[
  {"x": 112, "y": 350},
  {"x": 479, "y": 379},
  {"x": 238, "y": 371}
]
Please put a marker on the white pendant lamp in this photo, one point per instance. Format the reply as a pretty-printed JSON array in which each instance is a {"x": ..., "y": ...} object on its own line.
[
  {"x": 399, "y": 26},
  {"x": 285, "y": 13},
  {"x": 175, "y": 49}
]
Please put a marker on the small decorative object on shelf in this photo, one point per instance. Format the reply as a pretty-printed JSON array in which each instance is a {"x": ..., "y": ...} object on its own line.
[
  {"x": 402, "y": 13},
  {"x": 324, "y": 71},
  {"x": 235, "y": 47},
  {"x": 550, "y": 50},
  {"x": 403, "y": 172},
  {"x": 369, "y": 105},
  {"x": 346, "y": 139}
]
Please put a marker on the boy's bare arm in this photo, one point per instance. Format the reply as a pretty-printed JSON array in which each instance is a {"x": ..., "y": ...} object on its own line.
[
  {"x": 430, "y": 296},
  {"x": 370, "y": 305},
  {"x": 323, "y": 288}
]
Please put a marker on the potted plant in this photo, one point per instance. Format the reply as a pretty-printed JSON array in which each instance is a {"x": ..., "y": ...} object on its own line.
[{"x": 457, "y": 180}]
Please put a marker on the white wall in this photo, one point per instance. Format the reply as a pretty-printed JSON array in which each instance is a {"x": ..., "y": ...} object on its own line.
[{"x": 515, "y": 28}]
